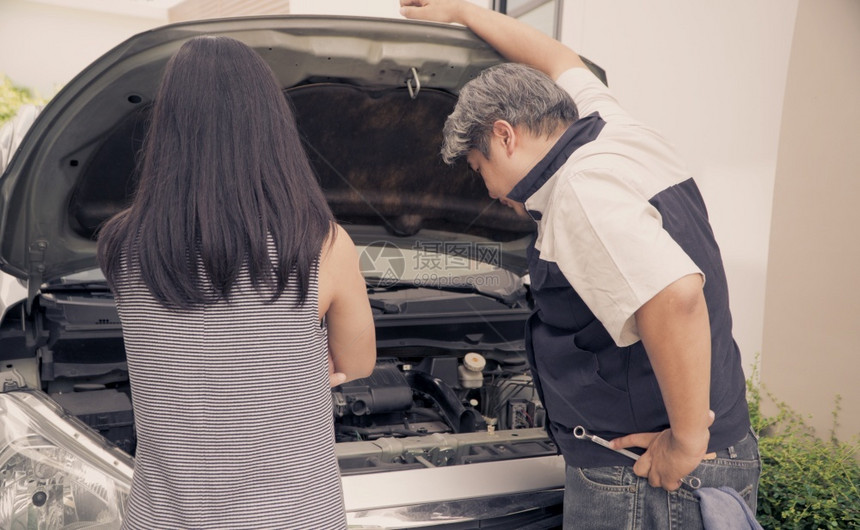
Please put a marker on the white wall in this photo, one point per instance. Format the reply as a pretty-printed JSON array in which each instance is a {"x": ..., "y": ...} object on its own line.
[
  {"x": 43, "y": 46},
  {"x": 811, "y": 333},
  {"x": 711, "y": 77},
  {"x": 363, "y": 8}
]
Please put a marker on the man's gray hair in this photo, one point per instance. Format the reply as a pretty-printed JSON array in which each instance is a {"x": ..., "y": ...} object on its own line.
[{"x": 512, "y": 92}]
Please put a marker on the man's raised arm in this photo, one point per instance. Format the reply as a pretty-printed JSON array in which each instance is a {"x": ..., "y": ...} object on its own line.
[{"x": 515, "y": 40}]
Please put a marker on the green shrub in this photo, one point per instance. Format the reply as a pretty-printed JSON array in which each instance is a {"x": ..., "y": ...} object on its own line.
[
  {"x": 806, "y": 482},
  {"x": 12, "y": 97}
]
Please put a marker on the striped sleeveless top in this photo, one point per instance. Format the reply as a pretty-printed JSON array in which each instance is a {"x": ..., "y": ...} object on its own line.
[{"x": 233, "y": 412}]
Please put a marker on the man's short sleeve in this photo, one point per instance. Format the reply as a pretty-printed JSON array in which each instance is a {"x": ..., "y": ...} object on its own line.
[
  {"x": 591, "y": 95},
  {"x": 610, "y": 244}
]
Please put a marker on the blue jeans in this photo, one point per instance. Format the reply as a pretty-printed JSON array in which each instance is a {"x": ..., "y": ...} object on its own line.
[{"x": 615, "y": 498}]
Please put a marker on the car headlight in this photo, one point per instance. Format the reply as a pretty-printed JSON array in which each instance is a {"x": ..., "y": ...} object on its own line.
[{"x": 55, "y": 473}]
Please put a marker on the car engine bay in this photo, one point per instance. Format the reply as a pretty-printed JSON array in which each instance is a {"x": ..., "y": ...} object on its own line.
[{"x": 424, "y": 405}]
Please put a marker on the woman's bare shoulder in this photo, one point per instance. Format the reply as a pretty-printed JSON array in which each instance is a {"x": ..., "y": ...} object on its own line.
[{"x": 338, "y": 249}]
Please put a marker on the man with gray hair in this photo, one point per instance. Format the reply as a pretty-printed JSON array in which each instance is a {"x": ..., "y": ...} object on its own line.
[{"x": 627, "y": 338}]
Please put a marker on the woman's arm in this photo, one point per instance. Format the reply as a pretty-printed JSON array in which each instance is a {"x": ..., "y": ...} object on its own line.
[{"x": 344, "y": 305}]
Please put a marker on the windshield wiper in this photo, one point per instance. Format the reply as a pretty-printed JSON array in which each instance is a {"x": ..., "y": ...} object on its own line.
[{"x": 82, "y": 285}]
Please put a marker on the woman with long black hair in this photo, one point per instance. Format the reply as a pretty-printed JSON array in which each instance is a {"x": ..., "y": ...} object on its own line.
[{"x": 241, "y": 301}]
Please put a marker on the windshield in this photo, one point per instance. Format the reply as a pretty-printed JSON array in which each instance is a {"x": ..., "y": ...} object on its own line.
[
  {"x": 455, "y": 265},
  {"x": 427, "y": 262},
  {"x": 424, "y": 262}
]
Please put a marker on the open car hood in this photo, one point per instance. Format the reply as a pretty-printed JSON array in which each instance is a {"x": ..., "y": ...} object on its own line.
[{"x": 372, "y": 134}]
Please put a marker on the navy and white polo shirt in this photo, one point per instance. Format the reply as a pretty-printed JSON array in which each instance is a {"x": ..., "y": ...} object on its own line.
[{"x": 619, "y": 219}]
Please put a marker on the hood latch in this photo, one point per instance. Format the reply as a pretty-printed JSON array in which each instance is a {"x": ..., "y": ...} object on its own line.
[{"x": 413, "y": 92}]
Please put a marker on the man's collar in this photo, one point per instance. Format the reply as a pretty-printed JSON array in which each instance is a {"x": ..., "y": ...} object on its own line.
[{"x": 578, "y": 134}]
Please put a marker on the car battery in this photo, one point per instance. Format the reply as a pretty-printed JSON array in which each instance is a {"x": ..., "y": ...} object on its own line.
[{"x": 107, "y": 411}]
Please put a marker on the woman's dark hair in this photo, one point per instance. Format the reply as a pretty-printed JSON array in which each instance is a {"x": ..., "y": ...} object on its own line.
[{"x": 223, "y": 170}]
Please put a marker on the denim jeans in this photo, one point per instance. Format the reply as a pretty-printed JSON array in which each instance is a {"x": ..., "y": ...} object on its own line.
[{"x": 615, "y": 498}]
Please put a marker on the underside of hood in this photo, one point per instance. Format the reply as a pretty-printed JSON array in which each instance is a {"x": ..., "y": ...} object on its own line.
[{"x": 373, "y": 136}]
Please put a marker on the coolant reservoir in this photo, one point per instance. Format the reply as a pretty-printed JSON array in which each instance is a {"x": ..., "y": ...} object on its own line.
[{"x": 471, "y": 371}]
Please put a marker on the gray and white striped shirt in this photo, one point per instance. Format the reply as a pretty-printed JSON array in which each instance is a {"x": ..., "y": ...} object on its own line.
[{"x": 233, "y": 412}]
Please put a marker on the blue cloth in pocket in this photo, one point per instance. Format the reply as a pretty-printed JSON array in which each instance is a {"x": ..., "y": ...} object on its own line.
[{"x": 724, "y": 509}]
